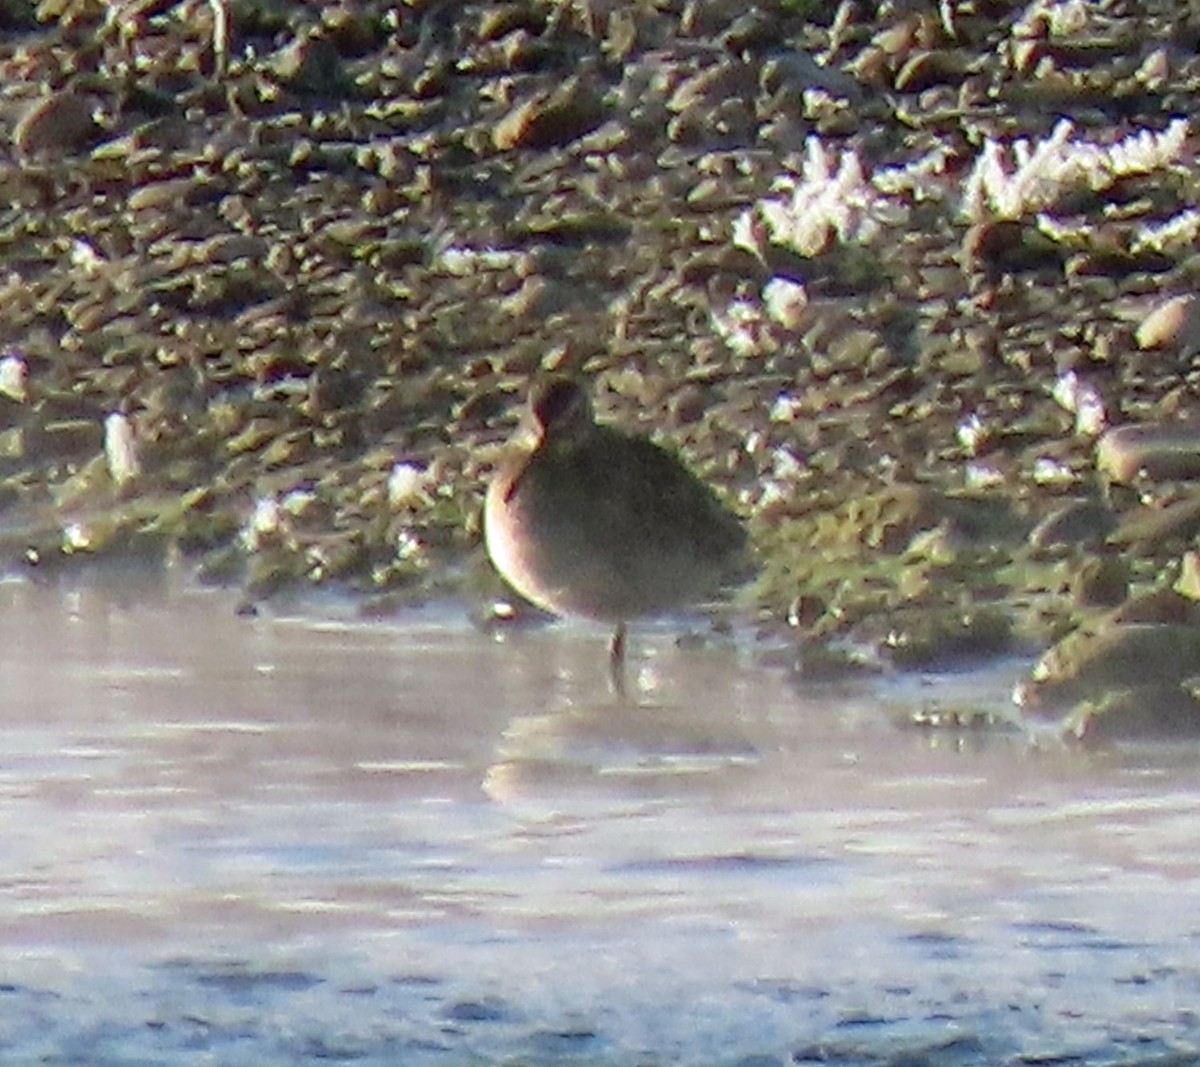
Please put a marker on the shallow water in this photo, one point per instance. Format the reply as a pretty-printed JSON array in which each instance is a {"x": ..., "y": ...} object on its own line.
[{"x": 283, "y": 840}]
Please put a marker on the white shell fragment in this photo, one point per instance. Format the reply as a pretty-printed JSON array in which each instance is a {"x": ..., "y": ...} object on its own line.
[
  {"x": 120, "y": 449},
  {"x": 403, "y": 484},
  {"x": 14, "y": 374}
]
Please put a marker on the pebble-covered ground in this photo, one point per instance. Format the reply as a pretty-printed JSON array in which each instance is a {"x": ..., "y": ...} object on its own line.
[{"x": 276, "y": 276}]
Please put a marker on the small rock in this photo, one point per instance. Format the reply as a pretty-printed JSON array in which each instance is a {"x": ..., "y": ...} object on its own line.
[
  {"x": 688, "y": 405},
  {"x": 60, "y": 124},
  {"x": 1175, "y": 322},
  {"x": 311, "y": 64},
  {"x": 925, "y": 69},
  {"x": 549, "y": 120},
  {"x": 750, "y": 31},
  {"x": 1188, "y": 582},
  {"x": 498, "y": 20},
  {"x": 1155, "y": 452},
  {"x": 712, "y": 85},
  {"x": 1006, "y": 246},
  {"x": 1158, "y": 606},
  {"x": 1088, "y": 664},
  {"x": 1101, "y": 581},
  {"x": 938, "y": 638},
  {"x": 537, "y": 298},
  {"x": 1132, "y": 714},
  {"x": 794, "y": 70},
  {"x": 1150, "y": 528},
  {"x": 161, "y": 195},
  {"x": 1082, "y": 522}
]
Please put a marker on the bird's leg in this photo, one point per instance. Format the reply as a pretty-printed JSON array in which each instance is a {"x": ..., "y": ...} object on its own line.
[
  {"x": 616, "y": 660},
  {"x": 616, "y": 645}
]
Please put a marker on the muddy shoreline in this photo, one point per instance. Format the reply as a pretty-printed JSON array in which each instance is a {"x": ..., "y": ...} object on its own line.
[{"x": 276, "y": 278}]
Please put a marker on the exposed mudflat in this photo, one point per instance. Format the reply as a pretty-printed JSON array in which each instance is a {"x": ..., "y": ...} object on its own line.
[{"x": 912, "y": 285}]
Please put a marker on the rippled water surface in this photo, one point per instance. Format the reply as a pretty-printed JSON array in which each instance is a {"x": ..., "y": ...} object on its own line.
[{"x": 284, "y": 840}]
